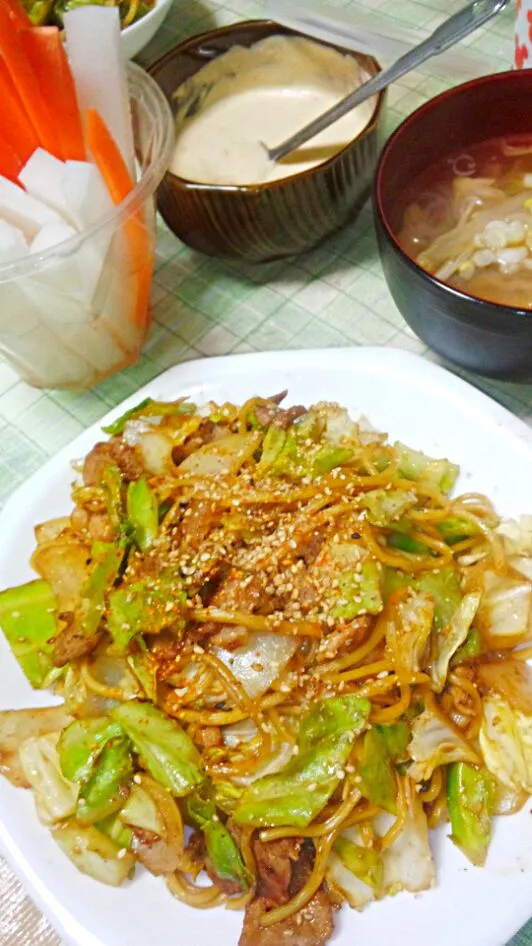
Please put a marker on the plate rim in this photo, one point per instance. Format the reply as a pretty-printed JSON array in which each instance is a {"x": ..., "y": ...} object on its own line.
[
  {"x": 398, "y": 361},
  {"x": 432, "y": 370}
]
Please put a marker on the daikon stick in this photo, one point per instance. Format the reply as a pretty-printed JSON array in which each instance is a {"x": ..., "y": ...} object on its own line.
[
  {"x": 95, "y": 51},
  {"x": 24, "y": 211},
  {"x": 74, "y": 189},
  {"x": 43, "y": 178},
  {"x": 12, "y": 243}
]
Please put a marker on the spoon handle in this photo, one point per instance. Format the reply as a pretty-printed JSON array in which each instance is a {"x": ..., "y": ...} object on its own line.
[{"x": 451, "y": 31}]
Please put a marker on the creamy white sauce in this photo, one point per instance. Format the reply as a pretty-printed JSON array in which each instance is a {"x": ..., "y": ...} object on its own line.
[{"x": 262, "y": 95}]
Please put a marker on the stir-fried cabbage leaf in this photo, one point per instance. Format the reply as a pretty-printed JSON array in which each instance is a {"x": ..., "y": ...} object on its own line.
[
  {"x": 355, "y": 892},
  {"x": 471, "y": 800},
  {"x": 94, "y": 853},
  {"x": 148, "y": 408},
  {"x": 27, "y": 618},
  {"x": 299, "y": 792},
  {"x": 442, "y": 585},
  {"x": 506, "y": 743},
  {"x": 142, "y": 513},
  {"x": 408, "y": 618},
  {"x": 504, "y": 616},
  {"x": 382, "y": 746},
  {"x": 164, "y": 747},
  {"x": 385, "y": 506},
  {"x": 55, "y": 796},
  {"x": 408, "y": 863},
  {"x": 436, "y": 741},
  {"x": 221, "y": 847},
  {"x": 364, "y": 862},
  {"x": 107, "y": 559},
  {"x": 103, "y": 794},
  {"x": 152, "y": 816},
  {"x": 446, "y": 642},
  {"x": 355, "y": 585},
  {"x": 417, "y": 466},
  {"x": 146, "y": 606}
]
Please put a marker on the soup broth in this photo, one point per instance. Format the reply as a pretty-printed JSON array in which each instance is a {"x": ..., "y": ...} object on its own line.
[{"x": 468, "y": 220}]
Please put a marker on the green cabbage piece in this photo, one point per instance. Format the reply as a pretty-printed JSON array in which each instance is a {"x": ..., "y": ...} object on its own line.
[
  {"x": 446, "y": 642},
  {"x": 436, "y": 742},
  {"x": 471, "y": 648},
  {"x": 329, "y": 457},
  {"x": 363, "y": 862},
  {"x": 148, "y": 408},
  {"x": 94, "y": 853},
  {"x": 108, "y": 559},
  {"x": 142, "y": 513},
  {"x": 145, "y": 606},
  {"x": 408, "y": 623},
  {"x": 298, "y": 793},
  {"x": 164, "y": 747},
  {"x": 408, "y": 862},
  {"x": 417, "y": 466},
  {"x": 383, "y": 746},
  {"x": 376, "y": 773},
  {"x": 55, "y": 796},
  {"x": 357, "y": 587},
  {"x": 506, "y": 743},
  {"x": 471, "y": 801},
  {"x": 103, "y": 794},
  {"x": 28, "y": 620},
  {"x": 221, "y": 846},
  {"x": 385, "y": 506},
  {"x": 443, "y": 585},
  {"x": 81, "y": 743}
]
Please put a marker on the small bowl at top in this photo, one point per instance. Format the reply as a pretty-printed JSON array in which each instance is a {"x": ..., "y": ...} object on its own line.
[
  {"x": 136, "y": 36},
  {"x": 489, "y": 337},
  {"x": 277, "y": 217}
]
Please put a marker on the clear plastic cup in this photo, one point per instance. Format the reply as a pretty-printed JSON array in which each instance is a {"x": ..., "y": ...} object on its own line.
[{"x": 79, "y": 312}]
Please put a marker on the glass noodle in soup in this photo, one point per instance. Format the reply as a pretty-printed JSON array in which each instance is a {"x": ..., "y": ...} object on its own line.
[{"x": 468, "y": 220}]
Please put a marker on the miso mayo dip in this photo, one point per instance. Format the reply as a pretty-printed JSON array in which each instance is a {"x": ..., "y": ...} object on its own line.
[{"x": 264, "y": 94}]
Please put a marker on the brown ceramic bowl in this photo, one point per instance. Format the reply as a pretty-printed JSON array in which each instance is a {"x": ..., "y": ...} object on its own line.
[{"x": 263, "y": 221}]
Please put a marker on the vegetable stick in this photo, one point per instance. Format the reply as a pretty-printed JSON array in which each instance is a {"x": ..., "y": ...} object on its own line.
[
  {"x": 23, "y": 211},
  {"x": 33, "y": 100},
  {"x": 46, "y": 53},
  {"x": 17, "y": 128},
  {"x": 17, "y": 14},
  {"x": 10, "y": 163},
  {"x": 96, "y": 54},
  {"x": 42, "y": 177},
  {"x": 119, "y": 183},
  {"x": 12, "y": 243}
]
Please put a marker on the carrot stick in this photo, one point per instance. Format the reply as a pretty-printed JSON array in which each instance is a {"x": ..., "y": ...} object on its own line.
[
  {"x": 107, "y": 155},
  {"x": 16, "y": 128},
  {"x": 46, "y": 54},
  {"x": 10, "y": 163},
  {"x": 113, "y": 169},
  {"x": 17, "y": 14},
  {"x": 33, "y": 98}
]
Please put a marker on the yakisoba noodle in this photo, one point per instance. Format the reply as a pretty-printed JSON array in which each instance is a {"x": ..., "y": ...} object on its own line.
[{"x": 282, "y": 630}]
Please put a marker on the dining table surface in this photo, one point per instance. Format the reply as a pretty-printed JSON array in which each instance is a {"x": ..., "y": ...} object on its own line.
[{"x": 334, "y": 296}]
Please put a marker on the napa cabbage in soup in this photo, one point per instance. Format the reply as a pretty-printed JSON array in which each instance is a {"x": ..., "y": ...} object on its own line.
[{"x": 468, "y": 221}]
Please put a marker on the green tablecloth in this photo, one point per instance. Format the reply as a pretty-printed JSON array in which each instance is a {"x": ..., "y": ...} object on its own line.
[{"x": 334, "y": 296}]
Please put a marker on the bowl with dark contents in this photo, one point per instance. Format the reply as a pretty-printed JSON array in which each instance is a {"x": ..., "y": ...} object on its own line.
[{"x": 453, "y": 212}]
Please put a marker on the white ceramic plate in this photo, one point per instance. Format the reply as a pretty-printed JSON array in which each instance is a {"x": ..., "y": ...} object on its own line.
[{"x": 426, "y": 407}]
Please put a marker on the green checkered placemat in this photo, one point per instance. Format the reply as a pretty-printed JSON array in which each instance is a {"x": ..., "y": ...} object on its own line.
[{"x": 334, "y": 296}]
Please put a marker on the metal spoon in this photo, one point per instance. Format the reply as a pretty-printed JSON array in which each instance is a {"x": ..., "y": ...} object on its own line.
[{"x": 450, "y": 32}]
